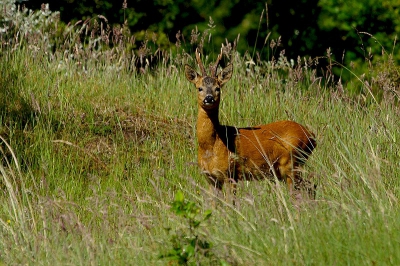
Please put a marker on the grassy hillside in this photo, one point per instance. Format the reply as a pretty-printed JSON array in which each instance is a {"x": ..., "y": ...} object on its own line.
[{"x": 98, "y": 164}]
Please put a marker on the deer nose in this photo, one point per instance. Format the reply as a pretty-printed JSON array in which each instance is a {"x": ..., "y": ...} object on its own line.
[{"x": 209, "y": 99}]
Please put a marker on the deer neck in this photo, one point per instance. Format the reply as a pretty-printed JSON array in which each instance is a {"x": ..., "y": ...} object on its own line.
[{"x": 207, "y": 128}]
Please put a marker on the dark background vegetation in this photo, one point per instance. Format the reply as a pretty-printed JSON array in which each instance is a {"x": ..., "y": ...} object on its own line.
[{"x": 306, "y": 28}]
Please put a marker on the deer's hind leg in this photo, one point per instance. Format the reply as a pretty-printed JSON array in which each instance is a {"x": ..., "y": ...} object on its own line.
[
  {"x": 289, "y": 169},
  {"x": 284, "y": 172}
]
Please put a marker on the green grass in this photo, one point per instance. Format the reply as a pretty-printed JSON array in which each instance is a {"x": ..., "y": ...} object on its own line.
[
  {"x": 98, "y": 157},
  {"x": 94, "y": 153}
]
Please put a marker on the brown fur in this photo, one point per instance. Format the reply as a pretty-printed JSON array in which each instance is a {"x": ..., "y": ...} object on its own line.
[{"x": 228, "y": 153}]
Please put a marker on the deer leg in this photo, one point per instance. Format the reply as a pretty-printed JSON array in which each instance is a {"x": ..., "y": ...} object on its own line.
[
  {"x": 231, "y": 191},
  {"x": 286, "y": 174},
  {"x": 289, "y": 183}
]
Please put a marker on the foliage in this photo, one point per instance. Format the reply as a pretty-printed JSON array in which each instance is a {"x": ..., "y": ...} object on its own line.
[
  {"x": 188, "y": 246},
  {"x": 365, "y": 28},
  {"x": 353, "y": 29}
]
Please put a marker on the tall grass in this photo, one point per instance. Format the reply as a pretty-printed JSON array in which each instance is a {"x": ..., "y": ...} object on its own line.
[{"x": 96, "y": 142}]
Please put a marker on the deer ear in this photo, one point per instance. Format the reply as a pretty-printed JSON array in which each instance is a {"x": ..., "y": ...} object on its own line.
[
  {"x": 191, "y": 74},
  {"x": 225, "y": 74}
]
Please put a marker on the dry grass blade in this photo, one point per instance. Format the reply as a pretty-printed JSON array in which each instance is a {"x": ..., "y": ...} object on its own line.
[{"x": 18, "y": 197}]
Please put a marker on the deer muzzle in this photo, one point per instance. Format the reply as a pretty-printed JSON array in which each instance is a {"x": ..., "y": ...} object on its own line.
[{"x": 208, "y": 100}]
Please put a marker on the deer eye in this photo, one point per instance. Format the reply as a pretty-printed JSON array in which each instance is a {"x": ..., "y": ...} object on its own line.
[
  {"x": 217, "y": 89},
  {"x": 200, "y": 89}
]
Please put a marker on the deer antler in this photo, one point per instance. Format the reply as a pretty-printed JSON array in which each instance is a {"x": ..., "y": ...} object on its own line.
[
  {"x": 214, "y": 67},
  {"x": 203, "y": 70}
]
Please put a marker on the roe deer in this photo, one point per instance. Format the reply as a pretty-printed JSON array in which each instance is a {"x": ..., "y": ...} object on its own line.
[{"x": 229, "y": 154}]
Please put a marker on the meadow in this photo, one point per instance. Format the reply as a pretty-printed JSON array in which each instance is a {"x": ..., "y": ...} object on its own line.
[{"x": 98, "y": 157}]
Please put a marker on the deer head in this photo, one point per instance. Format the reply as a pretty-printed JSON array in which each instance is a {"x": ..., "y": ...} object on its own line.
[{"x": 209, "y": 87}]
